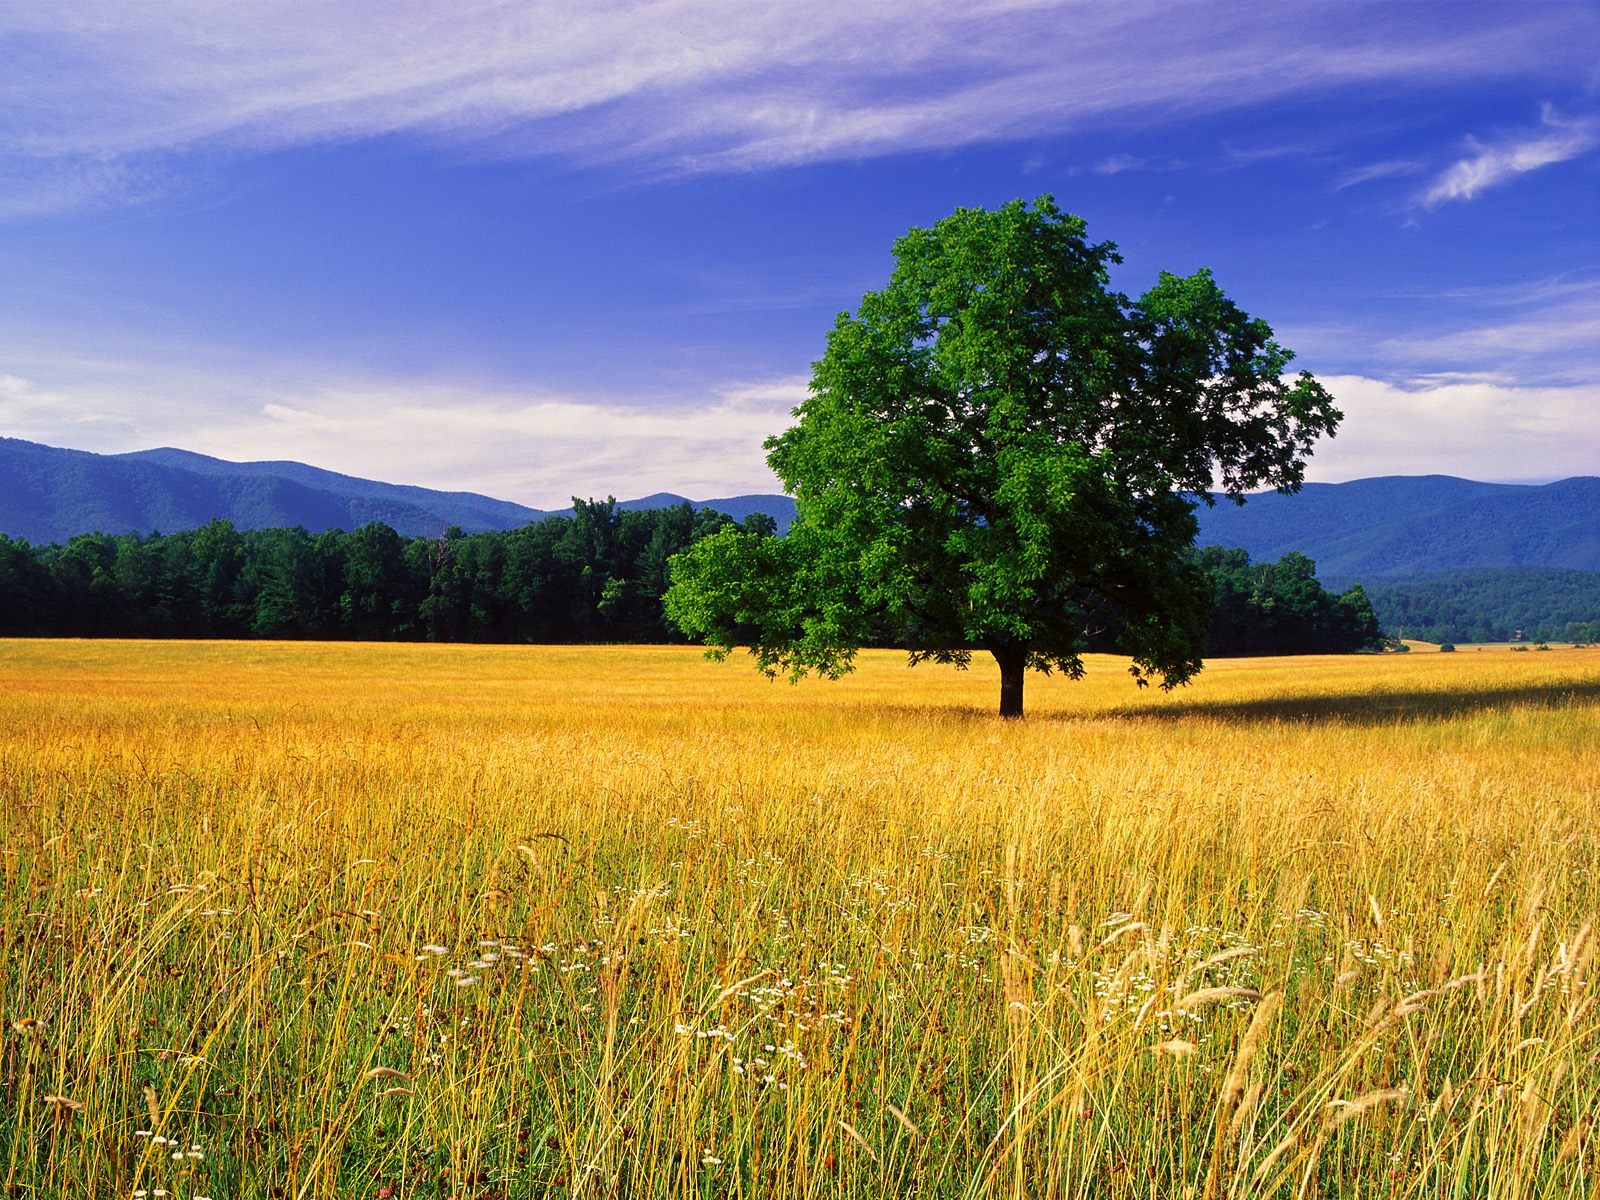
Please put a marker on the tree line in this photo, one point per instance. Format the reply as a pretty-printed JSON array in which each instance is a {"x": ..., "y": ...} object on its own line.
[
  {"x": 1545, "y": 605},
  {"x": 597, "y": 576}
]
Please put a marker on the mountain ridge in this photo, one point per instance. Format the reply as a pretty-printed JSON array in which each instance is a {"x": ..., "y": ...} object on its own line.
[
  {"x": 1383, "y": 527},
  {"x": 1393, "y": 525},
  {"x": 51, "y": 494}
]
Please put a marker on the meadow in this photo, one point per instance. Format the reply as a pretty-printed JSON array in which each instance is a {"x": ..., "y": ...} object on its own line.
[{"x": 311, "y": 920}]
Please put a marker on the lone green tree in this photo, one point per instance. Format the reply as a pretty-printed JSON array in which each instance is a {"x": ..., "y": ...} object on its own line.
[{"x": 1001, "y": 454}]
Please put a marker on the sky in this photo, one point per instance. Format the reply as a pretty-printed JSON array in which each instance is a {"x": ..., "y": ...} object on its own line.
[{"x": 551, "y": 248}]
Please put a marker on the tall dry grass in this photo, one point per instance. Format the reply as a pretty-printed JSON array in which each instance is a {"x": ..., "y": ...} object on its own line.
[{"x": 300, "y": 921}]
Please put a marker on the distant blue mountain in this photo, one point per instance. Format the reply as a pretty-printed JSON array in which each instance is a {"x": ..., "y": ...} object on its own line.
[
  {"x": 1398, "y": 525},
  {"x": 1390, "y": 527},
  {"x": 50, "y": 495},
  {"x": 344, "y": 501}
]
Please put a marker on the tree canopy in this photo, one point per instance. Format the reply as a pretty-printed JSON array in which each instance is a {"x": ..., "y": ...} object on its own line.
[
  {"x": 1000, "y": 453},
  {"x": 1280, "y": 608}
]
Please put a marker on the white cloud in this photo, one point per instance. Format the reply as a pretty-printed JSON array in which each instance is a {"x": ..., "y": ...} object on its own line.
[
  {"x": 1490, "y": 165},
  {"x": 676, "y": 84},
  {"x": 541, "y": 448},
  {"x": 513, "y": 443},
  {"x": 1477, "y": 429}
]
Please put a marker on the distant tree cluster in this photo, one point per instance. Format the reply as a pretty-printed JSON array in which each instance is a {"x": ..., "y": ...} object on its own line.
[
  {"x": 1546, "y": 605},
  {"x": 1280, "y": 608},
  {"x": 596, "y": 576}
]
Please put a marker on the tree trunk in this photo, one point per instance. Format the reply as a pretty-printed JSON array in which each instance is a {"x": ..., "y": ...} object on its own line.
[{"x": 1013, "y": 669}]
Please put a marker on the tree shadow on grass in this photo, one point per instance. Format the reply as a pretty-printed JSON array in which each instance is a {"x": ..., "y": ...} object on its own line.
[{"x": 1375, "y": 707}]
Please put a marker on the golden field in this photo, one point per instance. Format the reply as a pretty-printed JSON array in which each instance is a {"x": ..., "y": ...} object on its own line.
[{"x": 424, "y": 921}]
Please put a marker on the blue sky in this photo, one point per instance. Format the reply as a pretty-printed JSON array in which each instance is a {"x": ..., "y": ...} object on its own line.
[{"x": 545, "y": 249}]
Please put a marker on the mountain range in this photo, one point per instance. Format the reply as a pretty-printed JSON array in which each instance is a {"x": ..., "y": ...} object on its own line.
[
  {"x": 1407, "y": 525},
  {"x": 49, "y": 494},
  {"x": 1367, "y": 529}
]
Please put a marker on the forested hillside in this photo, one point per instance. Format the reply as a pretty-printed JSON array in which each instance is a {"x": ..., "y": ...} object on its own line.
[
  {"x": 1491, "y": 606},
  {"x": 1414, "y": 524}
]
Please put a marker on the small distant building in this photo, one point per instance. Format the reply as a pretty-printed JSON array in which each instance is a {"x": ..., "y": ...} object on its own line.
[{"x": 1517, "y": 636}]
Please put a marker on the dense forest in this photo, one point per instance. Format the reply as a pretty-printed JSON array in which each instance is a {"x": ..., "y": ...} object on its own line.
[
  {"x": 1280, "y": 608},
  {"x": 597, "y": 576},
  {"x": 1492, "y": 606}
]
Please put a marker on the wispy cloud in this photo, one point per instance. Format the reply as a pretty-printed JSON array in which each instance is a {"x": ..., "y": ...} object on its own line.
[
  {"x": 29, "y": 188},
  {"x": 1540, "y": 333},
  {"x": 1378, "y": 170},
  {"x": 1116, "y": 164},
  {"x": 1491, "y": 164},
  {"x": 1566, "y": 334},
  {"x": 695, "y": 84}
]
